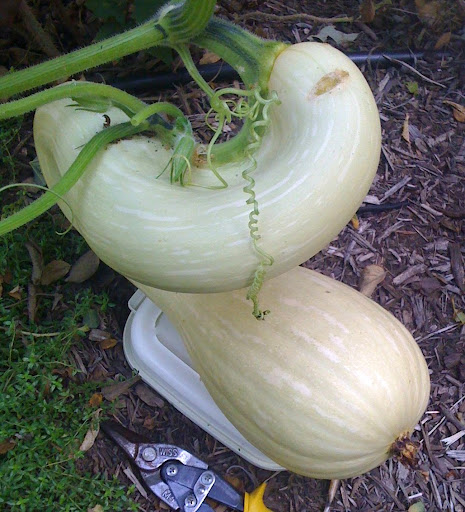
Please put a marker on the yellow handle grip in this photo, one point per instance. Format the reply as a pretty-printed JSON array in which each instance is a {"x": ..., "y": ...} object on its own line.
[{"x": 253, "y": 502}]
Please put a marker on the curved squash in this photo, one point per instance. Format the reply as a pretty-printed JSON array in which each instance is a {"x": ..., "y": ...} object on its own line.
[
  {"x": 324, "y": 386},
  {"x": 315, "y": 166}
]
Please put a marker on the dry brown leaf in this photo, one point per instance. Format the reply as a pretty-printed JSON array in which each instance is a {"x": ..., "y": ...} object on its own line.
[
  {"x": 97, "y": 508},
  {"x": 31, "y": 302},
  {"x": 149, "y": 422},
  {"x": 95, "y": 400},
  {"x": 367, "y": 11},
  {"x": 16, "y": 292},
  {"x": 65, "y": 373},
  {"x": 7, "y": 277},
  {"x": 84, "y": 268},
  {"x": 46, "y": 389},
  {"x": 148, "y": 396},
  {"x": 428, "y": 11},
  {"x": 236, "y": 482},
  {"x": 113, "y": 391},
  {"x": 92, "y": 433},
  {"x": 98, "y": 335},
  {"x": 334, "y": 486},
  {"x": 107, "y": 343},
  {"x": 458, "y": 110},
  {"x": 444, "y": 40},
  {"x": 35, "y": 253},
  {"x": 7, "y": 445},
  {"x": 405, "y": 129},
  {"x": 57, "y": 298},
  {"x": 457, "y": 265},
  {"x": 54, "y": 271},
  {"x": 209, "y": 58},
  {"x": 450, "y": 224},
  {"x": 372, "y": 276}
]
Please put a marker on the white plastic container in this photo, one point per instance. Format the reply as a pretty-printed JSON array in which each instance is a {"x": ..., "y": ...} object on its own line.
[{"x": 154, "y": 348}]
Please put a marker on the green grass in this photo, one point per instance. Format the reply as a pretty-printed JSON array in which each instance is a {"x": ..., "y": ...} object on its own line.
[
  {"x": 9, "y": 130},
  {"x": 44, "y": 401}
]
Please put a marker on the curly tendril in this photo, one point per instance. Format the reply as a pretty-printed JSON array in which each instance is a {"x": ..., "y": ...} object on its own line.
[
  {"x": 255, "y": 110},
  {"x": 266, "y": 260}
]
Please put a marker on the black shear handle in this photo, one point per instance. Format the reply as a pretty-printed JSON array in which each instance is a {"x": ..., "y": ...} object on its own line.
[{"x": 185, "y": 484}]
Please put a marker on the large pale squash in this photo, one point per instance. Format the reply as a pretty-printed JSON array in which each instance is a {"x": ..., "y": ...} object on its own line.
[
  {"x": 323, "y": 386},
  {"x": 314, "y": 168}
]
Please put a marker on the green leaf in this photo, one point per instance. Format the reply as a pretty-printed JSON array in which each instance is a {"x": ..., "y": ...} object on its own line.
[
  {"x": 38, "y": 176},
  {"x": 163, "y": 53},
  {"x": 417, "y": 507},
  {"x": 108, "y": 29},
  {"x": 460, "y": 317},
  {"x": 413, "y": 88},
  {"x": 145, "y": 9},
  {"x": 96, "y": 104},
  {"x": 91, "y": 319},
  {"x": 109, "y": 9}
]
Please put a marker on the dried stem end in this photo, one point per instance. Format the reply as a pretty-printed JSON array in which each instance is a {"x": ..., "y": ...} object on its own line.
[{"x": 405, "y": 450}]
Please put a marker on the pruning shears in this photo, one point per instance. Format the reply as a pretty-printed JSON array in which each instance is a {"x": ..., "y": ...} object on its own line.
[{"x": 178, "y": 478}]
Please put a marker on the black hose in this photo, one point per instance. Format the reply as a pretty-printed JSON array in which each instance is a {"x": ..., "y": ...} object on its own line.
[
  {"x": 380, "y": 208},
  {"x": 224, "y": 72}
]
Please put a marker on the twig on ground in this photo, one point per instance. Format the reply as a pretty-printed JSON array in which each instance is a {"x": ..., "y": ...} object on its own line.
[
  {"x": 387, "y": 491},
  {"x": 450, "y": 417},
  {"x": 411, "y": 68},
  {"x": 289, "y": 18}
]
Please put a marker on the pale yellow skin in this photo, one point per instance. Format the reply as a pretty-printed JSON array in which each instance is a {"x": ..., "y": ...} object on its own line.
[
  {"x": 315, "y": 166},
  {"x": 323, "y": 386}
]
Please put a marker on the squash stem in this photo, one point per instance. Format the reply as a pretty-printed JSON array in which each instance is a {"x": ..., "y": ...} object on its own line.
[
  {"x": 77, "y": 168},
  {"x": 126, "y": 102},
  {"x": 62, "y": 67},
  {"x": 186, "y": 58},
  {"x": 175, "y": 23},
  {"x": 251, "y": 56}
]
